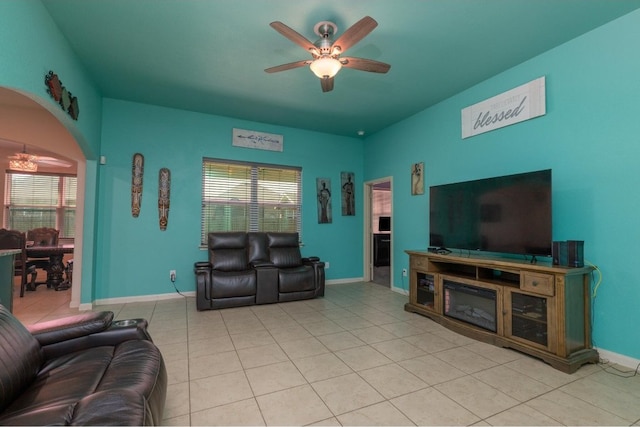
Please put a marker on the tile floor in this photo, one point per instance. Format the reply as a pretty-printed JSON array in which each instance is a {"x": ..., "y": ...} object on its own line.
[{"x": 354, "y": 357}]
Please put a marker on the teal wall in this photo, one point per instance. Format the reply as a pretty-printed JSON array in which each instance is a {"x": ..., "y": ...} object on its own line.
[
  {"x": 135, "y": 256},
  {"x": 589, "y": 137},
  {"x": 30, "y": 46}
]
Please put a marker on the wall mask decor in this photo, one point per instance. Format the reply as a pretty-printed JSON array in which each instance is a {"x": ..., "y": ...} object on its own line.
[
  {"x": 164, "y": 195},
  {"x": 323, "y": 187},
  {"x": 137, "y": 171}
]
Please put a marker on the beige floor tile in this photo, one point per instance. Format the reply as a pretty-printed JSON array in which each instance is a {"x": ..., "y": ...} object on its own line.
[
  {"x": 293, "y": 407},
  {"x": 305, "y": 347},
  {"x": 402, "y": 329},
  {"x": 242, "y": 413},
  {"x": 512, "y": 383},
  {"x": 176, "y": 351},
  {"x": 465, "y": 360},
  {"x": 497, "y": 354},
  {"x": 252, "y": 339},
  {"x": 540, "y": 371},
  {"x": 360, "y": 358},
  {"x": 340, "y": 341},
  {"x": 323, "y": 327},
  {"x": 398, "y": 350},
  {"x": 261, "y": 356},
  {"x": 206, "y": 347},
  {"x": 429, "y": 407},
  {"x": 521, "y": 415},
  {"x": 177, "y": 371},
  {"x": 570, "y": 410},
  {"x": 276, "y": 377},
  {"x": 478, "y": 397},
  {"x": 214, "y": 364},
  {"x": 392, "y": 380},
  {"x": 177, "y": 403},
  {"x": 346, "y": 393},
  {"x": 353, "y": 322},
  {"x": 625, "y": 405},
  {"x": 373, "y": 334},
  {"x": 431, "y": 370},
  {"x": 379, "y": 414},
  {"x": 219, "y": 390},
  {"x": 183, "y": 420},
  {"x": 429, "y": 342},
  {"x": 289, "y": 333},
  {"x": 322, "y": 367}
]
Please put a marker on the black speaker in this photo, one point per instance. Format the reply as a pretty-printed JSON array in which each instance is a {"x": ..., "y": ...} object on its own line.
[
  {"x": 559, "y": 253},
  {"x": 575, "y": 253}
]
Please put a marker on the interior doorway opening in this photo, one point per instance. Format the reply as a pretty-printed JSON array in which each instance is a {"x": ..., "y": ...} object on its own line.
[{"x": 378, "y": 233}]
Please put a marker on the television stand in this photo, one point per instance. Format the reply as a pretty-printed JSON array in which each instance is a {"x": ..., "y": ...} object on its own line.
[{"x": 541, "y": 310}]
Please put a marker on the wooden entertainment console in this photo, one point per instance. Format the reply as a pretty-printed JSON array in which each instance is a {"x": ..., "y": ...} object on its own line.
[{"x": 538, "y": 309}]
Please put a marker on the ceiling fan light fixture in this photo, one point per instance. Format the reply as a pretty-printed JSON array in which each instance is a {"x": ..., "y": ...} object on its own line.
[
  {"x": 24, "y": 163},
  {"x": 325, "y": 66}
]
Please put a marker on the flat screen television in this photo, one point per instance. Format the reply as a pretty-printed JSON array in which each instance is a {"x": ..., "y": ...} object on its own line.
[
  {"x": 384, "y": 223},
  {"x": 506, "y": 214}
]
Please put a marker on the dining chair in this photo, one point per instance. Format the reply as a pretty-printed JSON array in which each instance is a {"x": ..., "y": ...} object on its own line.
[
  {"x": 42, "y": 236},
  {"x": 14, "y": 239}
]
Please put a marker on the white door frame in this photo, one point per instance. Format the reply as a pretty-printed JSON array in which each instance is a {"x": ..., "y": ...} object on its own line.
[{"x": 367, "y": 232}]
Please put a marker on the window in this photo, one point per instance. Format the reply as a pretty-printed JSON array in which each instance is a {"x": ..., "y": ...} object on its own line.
[
  {"x": 40, "y": 200},
  {"x": 238, "y": 196}
]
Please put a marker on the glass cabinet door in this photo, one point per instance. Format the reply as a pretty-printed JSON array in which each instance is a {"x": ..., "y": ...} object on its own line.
[
  {"x": 426, "y": 291},
  {"x": 529, "y": 318}
]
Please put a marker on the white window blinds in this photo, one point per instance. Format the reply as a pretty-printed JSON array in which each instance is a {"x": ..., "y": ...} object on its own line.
[
  {"x": 40, "y": 200},
  {"x": 239, "y": 196}
]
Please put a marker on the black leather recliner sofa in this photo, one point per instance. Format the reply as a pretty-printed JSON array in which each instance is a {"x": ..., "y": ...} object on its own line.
[
  {"x": 256, "y": 268},
  {"x": 80, "y": 370}
]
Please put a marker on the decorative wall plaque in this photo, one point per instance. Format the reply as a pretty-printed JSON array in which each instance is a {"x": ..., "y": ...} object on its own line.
[
  {"x": 61, "y": 95},
  {"x": 260, "y": 140},
  {"x": 164, "y": 195},
  {"x": 136, "y": 183}
]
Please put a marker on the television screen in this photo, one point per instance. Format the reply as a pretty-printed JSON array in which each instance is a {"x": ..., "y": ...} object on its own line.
[
  {"x": 384, "y": 223},
  {"x": 507, "y": 214}
]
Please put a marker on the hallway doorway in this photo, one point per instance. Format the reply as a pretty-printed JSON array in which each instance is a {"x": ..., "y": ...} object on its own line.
[{"x": 378, "y": 235}]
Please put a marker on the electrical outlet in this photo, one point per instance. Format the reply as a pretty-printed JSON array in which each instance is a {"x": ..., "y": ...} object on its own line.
[
  {"x": 326, "y": 265},
  {"x": 172, "y": 275},
  {"x": 404, "y": 272}
]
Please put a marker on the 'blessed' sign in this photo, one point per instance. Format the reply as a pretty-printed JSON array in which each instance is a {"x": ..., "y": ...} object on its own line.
[{"x": 516, "y": 105}]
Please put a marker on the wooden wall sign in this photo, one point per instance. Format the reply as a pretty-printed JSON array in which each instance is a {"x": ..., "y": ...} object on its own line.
[
  {"x": 137, "y": 171},
  {"x": 513, "y": 106},
  {"x": 164, "y": 195}
]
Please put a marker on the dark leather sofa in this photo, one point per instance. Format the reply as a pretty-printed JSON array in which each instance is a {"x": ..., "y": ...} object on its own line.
[
  {"x": 256, "y": 268},
  {"x": 80, "y": 370}
]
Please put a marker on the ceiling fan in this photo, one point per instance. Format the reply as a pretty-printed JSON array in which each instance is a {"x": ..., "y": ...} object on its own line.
[
  {"x": 27, "y": 162},
  {"x": 326, "y": 53}
]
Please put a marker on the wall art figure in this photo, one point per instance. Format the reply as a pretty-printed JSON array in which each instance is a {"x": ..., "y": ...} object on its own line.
[
  {"x": 164, "y": 196},
  {"x": 323, "y": 186},
  {"x": 137, "y": 171},
  {"x": 348, "y": 193},
  {"x": 417, "y": 179}
]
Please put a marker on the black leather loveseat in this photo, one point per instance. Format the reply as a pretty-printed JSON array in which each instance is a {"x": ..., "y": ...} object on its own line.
[
  {"x": 256, "y": 268},
  {"x": 80, "y": 370}
]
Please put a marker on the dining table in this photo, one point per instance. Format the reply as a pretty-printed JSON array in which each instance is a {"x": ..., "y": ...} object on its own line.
[{"x": 55, "y": 271}]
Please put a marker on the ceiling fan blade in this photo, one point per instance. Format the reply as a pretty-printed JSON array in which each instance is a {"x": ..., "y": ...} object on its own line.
[
  {"x": 355, "y": 33},
  {"x": 327, "y": 84},
  {"x": 288, "y": 66},
  {"x": 365, "y": 65},
  {"x": 52, "y": 161},
  {"x": 295, "y": 37}
]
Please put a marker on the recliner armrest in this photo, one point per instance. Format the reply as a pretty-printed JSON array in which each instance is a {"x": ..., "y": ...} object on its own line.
[
  {"x": 202, "y": 266},
  {"x": 261, "y": 264},
  {"x": 71, "y": 327}
]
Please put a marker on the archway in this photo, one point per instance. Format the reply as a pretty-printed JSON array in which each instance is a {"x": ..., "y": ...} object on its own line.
[{"x": 24, "y": 123}]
